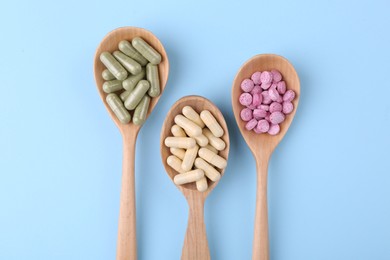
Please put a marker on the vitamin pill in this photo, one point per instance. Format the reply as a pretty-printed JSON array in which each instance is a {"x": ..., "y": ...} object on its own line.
[
  {"x": 201, "y": 184},
  {"x": 276, "y": 76},
  {"x": 247, "y": 85},
  {"x": 214, "y": 141},
  {"x": 132, "y": 80},
  {"x": 263, "y": 126},
  {"x": 201, "y": 140},
  {"x": 246, "y": 114},
  {"x": 289, "y": 95},
  {"x": 117, "y": 107},
  {"x": 212, "y": 158},
  {"x": 256, "y": 77},
  {"x": 288, "y": 107},
  {"x": 256, "y": 99},
  {"x": 153, "y": 78},
  {"x": 137, "y": 94},
  {"x": 180, "y": 142},
  {"x": 209, "y": 170},
  {"x": 275, "y": 106},
  {"x": 211, "y": 148},
  {"x": 128, "y": 63},
  {"x": 146, "y": 50},
  {"x": 189, "y": 158},
  {"x": 245, "y": 99},
  {"x": 175, "y": 163},
  {"x": 274, "y": 129},
  {"x": 276, "y": 117},
  {"x": 210, "y": 121},
  {"x": 128, "y": 49},
  {"x": 107, "y": 75},
  {"x": 188, "y": 177},
  {"x": 124, "y": 95},
  {"x": 192, "y": 115},
  {"x": 273, "y": 93},
  {"x": 281, "y": 87},
  {"x": 266, "y": 86},
  {"x": 266, "y": 98},
  {"x": 178, "y": 152},
  {"x": 141, "y": 111},
  {"x": 259, "y": 113},
  {"x": 112, "y": 86},
  {"x": 256, "y": 90},
  {"x": 113, "y": 65},
  {"x": 266, "y": 77},
  {"x": 189, "y": 127},
  {"x": 177, "y": 131},
  {"x": 264, "y": 107},
  {"x": 251, "y": 124}
]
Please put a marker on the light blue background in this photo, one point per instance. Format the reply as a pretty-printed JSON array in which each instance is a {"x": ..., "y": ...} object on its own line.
[{"x": 61, "y": 155}]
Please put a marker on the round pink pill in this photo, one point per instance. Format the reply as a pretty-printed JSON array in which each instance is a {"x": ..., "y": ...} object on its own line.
[
  {"x": 266, "y": 77},
  {"x": 259, "y": 113},
  {"x": 251, "y": 124},
  {"x": 256, "y": 99},
  {"x": 276, "y": 117},
  {"x": 245, "y": 99},
  {"x": 281, "y": 87},
  {"x": 288, "y": 107},
  {"x": 276, "y": 76},
  {"x": 263, "y": 126},
  {"x": 266, "y": 85},
  {"x": 274, "y": 129},
  {"x": 247, "y": 85},
  {"x": 257, "y": 131},
  {"x": 256, "y": 90},
  {"x": 266, "y": 98},
  {"x": 275, "y": 106},
  {"x": 246, "y": 114},
  {"x": 256, "y": 77},
  {"x": 280, "y": 99},
  {"x": 289, "y": 95},
  {"x": 273, "y": 93},
  {"x": 264, "y": 107}
]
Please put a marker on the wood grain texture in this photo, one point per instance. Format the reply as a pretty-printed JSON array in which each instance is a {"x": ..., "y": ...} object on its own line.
[
  {"x": 262, "y": 145},
  {"x": 195, "y": 243},
  {"x": 127, "y": 244}
]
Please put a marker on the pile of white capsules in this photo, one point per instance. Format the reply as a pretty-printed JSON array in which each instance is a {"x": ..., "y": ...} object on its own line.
[
  {"x": 133, "y": 71},
  {"x": 195, "y": 145}
]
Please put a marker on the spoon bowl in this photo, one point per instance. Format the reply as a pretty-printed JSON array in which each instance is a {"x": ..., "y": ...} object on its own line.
[
  {"x": 127, "y": 244},
  {"x": 195, "y": 243},
  {"x": 262, "y": 145}
]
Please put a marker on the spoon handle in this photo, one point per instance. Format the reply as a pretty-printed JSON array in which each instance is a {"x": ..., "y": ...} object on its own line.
[
  {"x": 195, "y": 243},
  {"x": 127, "y": 242},
  {"x": 260, "y": 240}
]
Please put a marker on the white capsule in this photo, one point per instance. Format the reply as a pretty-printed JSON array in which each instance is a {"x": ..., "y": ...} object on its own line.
[
  {"x": 211, "y": 148},
  {"x": 178, "y": 152},
  {"x": 175, "y": 163},
  {"x": 188, "y": 177},
  {"x": 177, "y": 131},
  {"x": 192, "y": 115},
  {"x": 211, "y": 123},
  {"x": 189, "y": 158},
  {"x": 201, "y": 185},
  {"x": 180, "y": 142},
  {"x": 216, "y": 142},
  {"x": 209, "y": 170},
  {"x": 189, "y": 127},
  {"x": 213, "y": 158},
  {"x": 201, "y": 140}
]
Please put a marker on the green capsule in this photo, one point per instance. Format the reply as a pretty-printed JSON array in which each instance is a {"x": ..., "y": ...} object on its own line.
[
  {"x": 152, "y": 77},
  {"x": 117, "y": 107},
  {"x": 132, "y": 81},
  {"x": 113, "y": 65},
  {"x": 126, "y": 48},
  {"x": 112, "y": 86},
  {"x": 137, "y": 94},
  {"x": 124, "y": 95},
  {"x": 131, "y": 65},
  {"x": 141, "y": 111},
  {"x": 146, "y": 50},
  {"x": 107, "y": 75}
]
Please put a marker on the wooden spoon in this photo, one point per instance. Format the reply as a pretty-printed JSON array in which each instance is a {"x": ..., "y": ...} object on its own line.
[
  {"x": 127, "y": 243},
  {"x": 262, "y": 145},
  {"x": 195, "y": 243}
]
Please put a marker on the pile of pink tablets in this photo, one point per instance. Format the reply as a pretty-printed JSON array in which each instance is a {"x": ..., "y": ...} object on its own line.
[{"x": 267, "y": 102}]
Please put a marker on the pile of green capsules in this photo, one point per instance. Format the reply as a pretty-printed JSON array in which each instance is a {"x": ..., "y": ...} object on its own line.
[{"x": 133, "y": 71}]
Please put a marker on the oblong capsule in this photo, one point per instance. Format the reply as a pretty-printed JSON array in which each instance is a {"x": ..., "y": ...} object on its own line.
[
  {"x": 212, "y": 158},
  {"x": 146, "y": 50},
  {"x": 201, "y": 184},
  {"x": 137, "y": 94},
  {"x": 178, "y": 152},
  {"x": 188, "y": 177},
  {"x": 175, "y": 163},
  {"x": 201, "y": 140},
  {"x": 211, "y": 148},
  {"x": 178, "y": 131},
  {"x": 189, "y": 158},
  {"x": 179, "y": 142},
  {"x": 123, "y": 96},
  {"x": 112, "y": 86},
  {"x": 107, "y": 75},
  {"x": 211, "y": 123},
  {"x": 132, "y": 80},
  {"x": 117, "y": 107},
  {"x": 141, "y": 111},
  {"x": 128, "y": 63},
  {"x": 113, "y": 65},
  {"x": 153, "y": 78},
  {"x": 209, "y": 170},
  {"x": 126, "y": 48},
  {"x": 192, "y": 115},
  {"x": 216, "y": 142},
  {"x": 189, "y": 127}
]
